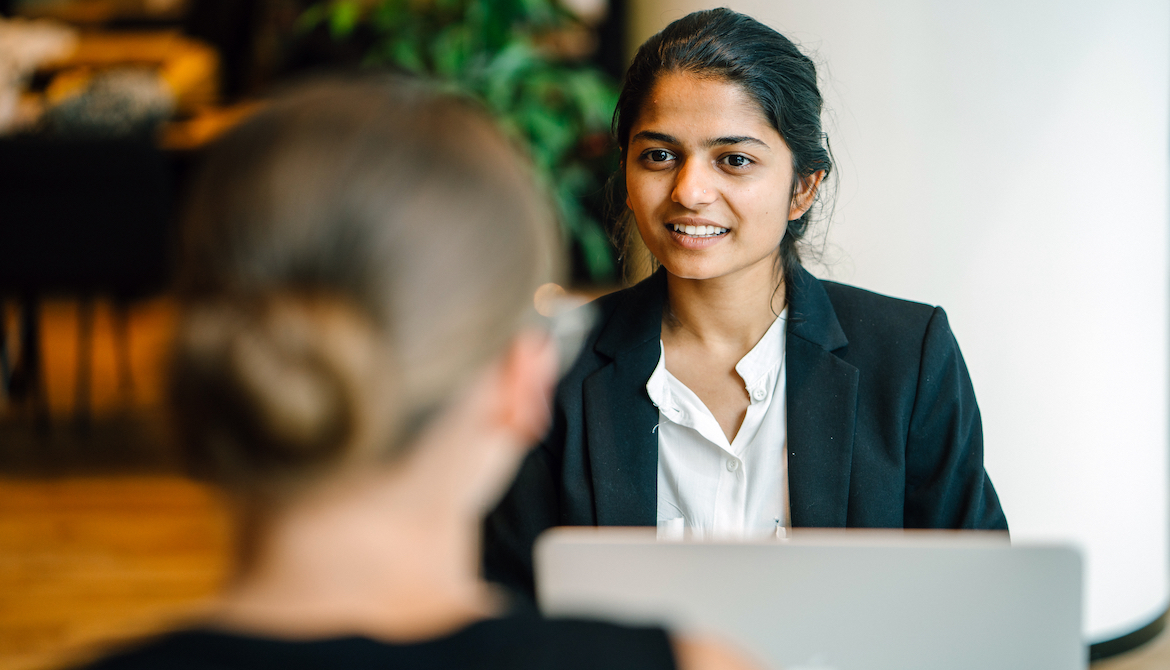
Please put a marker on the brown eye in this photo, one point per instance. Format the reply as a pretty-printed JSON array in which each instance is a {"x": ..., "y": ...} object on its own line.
[
  {"x": 659, "y": 155},
  {"x": 735, "y": 160}
]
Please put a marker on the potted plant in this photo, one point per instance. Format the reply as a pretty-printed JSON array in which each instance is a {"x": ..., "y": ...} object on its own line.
[{"x": 508, "y": 54}]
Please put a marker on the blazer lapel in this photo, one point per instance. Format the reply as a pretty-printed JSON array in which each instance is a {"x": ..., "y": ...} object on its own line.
[
  {"x": 822, "y": 405},
  {"x": 822, "y": 408},
  {"x": 619, "y": 417}
]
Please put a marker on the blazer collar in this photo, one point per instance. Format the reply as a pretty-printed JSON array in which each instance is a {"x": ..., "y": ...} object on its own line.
[
  {"x": 621, "y": 421},
  {"x": 822, "y": 407},
  {"x": 636, "y": 318},
  {"x": 810, "y": 313}
]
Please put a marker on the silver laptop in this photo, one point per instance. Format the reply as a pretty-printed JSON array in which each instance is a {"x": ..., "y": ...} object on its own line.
[{"x": 832, "y": 600}]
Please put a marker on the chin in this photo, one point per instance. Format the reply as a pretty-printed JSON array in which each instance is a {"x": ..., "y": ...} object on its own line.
[{"x": 693, "y": 271}]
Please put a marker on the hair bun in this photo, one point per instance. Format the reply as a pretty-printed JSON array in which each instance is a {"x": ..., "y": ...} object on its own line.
[{"x": 271, "y": 383}]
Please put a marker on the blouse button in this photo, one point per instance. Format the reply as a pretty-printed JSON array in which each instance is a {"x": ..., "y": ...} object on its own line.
[
  {"x": 759, "y": 394},
  {"x": 732, "y": 464}
]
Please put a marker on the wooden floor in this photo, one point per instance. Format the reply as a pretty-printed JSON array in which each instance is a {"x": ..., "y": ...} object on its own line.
[
  {"x": 100, "y": 541},
  {"x": 88, "y": 562},
  {"x": 1155, "y": 655}
]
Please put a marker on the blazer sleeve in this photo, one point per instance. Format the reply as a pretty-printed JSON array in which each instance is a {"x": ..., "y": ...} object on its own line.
[{"x": 946, "y": 483}]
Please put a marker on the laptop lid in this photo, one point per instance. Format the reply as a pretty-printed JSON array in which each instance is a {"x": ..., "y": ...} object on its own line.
[{"x": 832, "y": 600}]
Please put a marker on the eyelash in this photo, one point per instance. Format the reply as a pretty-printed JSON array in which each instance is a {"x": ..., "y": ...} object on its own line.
[
  {"x": 648, "y": 156},
  {"x": 746, "y": 161}
]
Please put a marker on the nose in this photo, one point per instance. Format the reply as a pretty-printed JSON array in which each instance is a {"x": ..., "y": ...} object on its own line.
[{"x": 693, "y": 185}]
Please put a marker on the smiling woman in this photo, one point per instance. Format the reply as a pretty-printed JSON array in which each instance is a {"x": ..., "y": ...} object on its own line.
[
  {"x": 706, "y": 172},
  {"x": 732, "y": 394}
]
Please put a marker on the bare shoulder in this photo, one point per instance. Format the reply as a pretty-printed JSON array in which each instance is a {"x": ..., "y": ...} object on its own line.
[{"x": 698, "y": 653}]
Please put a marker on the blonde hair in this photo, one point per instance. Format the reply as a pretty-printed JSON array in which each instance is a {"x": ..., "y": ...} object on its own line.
[{"x": 349, "y": 256}]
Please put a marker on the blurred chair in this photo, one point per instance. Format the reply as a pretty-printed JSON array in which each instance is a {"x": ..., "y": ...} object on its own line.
[
  {"x": 232, "y": 27},
  {"x": 79, "y": 218}
]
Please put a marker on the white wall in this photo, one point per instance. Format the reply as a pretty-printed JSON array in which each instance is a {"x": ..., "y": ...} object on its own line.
[{"x": 1009, "y": 161}]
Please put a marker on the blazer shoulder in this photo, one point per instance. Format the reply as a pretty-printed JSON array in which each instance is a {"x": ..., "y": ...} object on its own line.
[
  {"x": 606, "y": 305},
  {"x": 616, "y": 316},
  {"x": 867, "y": 314}
]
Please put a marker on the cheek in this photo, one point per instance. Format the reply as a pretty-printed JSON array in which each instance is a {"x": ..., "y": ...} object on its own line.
[
  {"x": 648, "y": 189},
  {"x": 643, "y": 216},
  {"x": 637, "y": 195},
  {"x": 774, "y": 207},
  {"x": 767, "y": 208},
  {"x": 633, "y": 188},
  {"x": 640, "y": 222}
]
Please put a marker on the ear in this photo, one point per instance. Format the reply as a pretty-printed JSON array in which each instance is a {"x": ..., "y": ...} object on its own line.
[
  {"x": 527, "y": 380},
  {"x": 804, "y": 193}
]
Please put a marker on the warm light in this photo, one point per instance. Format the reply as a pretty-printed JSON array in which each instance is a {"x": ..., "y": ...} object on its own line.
[{"x": 549, "y": 299}]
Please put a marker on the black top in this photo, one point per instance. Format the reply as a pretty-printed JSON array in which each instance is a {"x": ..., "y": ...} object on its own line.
[
  {"x": 520, "y": 642},
  {"x": 883, "y": 427}
]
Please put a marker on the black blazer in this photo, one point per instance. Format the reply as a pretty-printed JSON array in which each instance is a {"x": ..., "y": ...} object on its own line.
[{"x": 883, "y": 428}]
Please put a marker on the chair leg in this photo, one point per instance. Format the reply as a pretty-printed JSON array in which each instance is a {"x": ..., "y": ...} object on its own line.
[
  {"x": 26, "y": 380},
  {"x": 121, "y": 323},
  {"x": 81, "y": 403},
  {"x": 5, "y": 368}
]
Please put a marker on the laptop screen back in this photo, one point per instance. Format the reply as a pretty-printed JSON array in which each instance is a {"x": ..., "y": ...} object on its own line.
[{"x": 832, "y": 600}]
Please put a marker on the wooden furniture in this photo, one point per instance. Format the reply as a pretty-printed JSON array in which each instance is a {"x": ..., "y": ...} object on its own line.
[
  {"x": 189, "y": 67},
  {"x": 83, "y": 218}
]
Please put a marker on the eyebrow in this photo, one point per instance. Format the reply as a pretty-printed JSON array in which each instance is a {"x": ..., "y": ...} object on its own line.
[{"x": 713, "y": 142}]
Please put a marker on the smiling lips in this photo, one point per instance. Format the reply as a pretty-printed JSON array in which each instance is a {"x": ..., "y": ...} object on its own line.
[{"x": 697, "y": 231}]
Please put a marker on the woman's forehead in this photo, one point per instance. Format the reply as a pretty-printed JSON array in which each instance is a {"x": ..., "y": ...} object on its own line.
[{"x": 695, "y": 108}]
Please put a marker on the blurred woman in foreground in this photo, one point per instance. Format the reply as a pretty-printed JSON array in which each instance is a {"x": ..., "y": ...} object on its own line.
[{"x": 359, "y": 367}]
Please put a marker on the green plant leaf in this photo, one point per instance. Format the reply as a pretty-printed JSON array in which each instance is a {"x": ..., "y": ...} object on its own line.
[
  {"x": 387, "y": 17},
  {"x": 343, "y": 17},
  {"x": 598, "y": 252},
  {"x": 450, "y": 51},
  {"x": 312, "y": 17},
  {"x": 408, "y": 55},
  {"x": 487, "y": 48}
]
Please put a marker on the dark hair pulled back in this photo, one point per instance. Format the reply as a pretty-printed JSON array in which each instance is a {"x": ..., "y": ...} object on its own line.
[{"x": 728, "y": 45}]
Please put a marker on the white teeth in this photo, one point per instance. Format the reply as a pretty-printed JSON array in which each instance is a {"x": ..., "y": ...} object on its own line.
[{"x": 698, "y": 231}]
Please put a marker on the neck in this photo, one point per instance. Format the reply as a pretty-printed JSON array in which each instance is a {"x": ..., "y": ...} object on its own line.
[
  {"x": 731, "y": 311},
  {"x": 364, "y": 557}
]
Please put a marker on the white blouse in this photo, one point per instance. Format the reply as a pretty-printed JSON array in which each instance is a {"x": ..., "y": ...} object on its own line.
[{"x": 709, "y": 488}]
